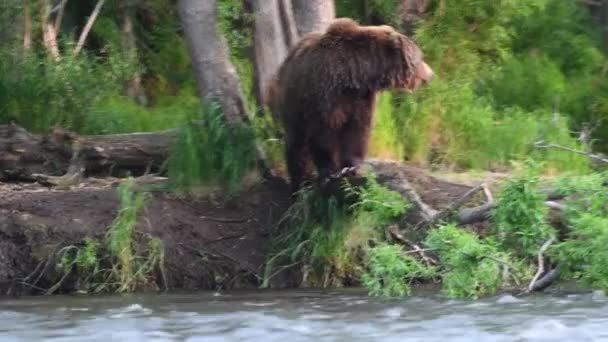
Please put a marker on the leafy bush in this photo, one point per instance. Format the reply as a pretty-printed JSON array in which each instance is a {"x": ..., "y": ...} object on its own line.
[
  {"x": 583, "y": 253},
  {"x": 325, "y": 234},
  {"x": 39, "y": 93},
  {"x": 376, "y": 206},
  {"x": 390, "y": 272},
  {"x": 520, "y": 216},
  {"x": 470, "y": 267}
]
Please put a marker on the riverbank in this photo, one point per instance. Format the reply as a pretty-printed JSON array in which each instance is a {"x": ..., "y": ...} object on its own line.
[{"x": 208, "y": 241}]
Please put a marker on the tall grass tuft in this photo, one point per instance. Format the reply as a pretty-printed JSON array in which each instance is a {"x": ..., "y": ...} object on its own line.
[{"x": 208, "y": 151}]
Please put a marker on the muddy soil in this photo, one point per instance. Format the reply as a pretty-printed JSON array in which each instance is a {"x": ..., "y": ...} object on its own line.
[{"x": 210, "y": 242}]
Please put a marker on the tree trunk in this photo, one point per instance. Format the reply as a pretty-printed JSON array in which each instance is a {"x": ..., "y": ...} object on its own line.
[
  {"x": 134, "y": 87},
  {"x": 313, "y": 15},
  {"x": 274, "y": 34},
  {"x": 49, "y": 35},
  {"x": 412, "y": 12},
  {"x": 27, "y": 26},
  {"x": 216, "y": 77}
]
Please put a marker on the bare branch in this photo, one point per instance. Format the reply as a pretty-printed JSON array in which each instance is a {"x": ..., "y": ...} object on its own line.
[
  {"x": 396, "y": 234},
  {"x": 27, "y": 34},
  {"x": 88, "y": 26},
  {"x": 60, "y": 10},
  {"x": 541, "y": 144},
  {"x": 488, "y": 193},
  {"x": 453, "y": 206},
  {"x": 49, "y": 36},
  {"x": 541, "y": 263}
]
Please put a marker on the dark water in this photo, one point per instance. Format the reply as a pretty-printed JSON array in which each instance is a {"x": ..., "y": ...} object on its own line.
[{"x": 292, "y": 316}]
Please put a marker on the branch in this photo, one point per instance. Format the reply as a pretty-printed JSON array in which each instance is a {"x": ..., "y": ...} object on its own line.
[
  {"x": 396, "y": 234},
  {"x": 60, "y": 10},
  {"x": 27, "y": 34},
  {"x": 547, "y": 279},
  {"x": 453, "y": 206},
  {"x": 88, "y": 26},
  {"x": 541, "y": 263},
  {"x": 487, "y": 193},
  {"x": 49, "y": 35},
  {"x": 596, "y": 157}
]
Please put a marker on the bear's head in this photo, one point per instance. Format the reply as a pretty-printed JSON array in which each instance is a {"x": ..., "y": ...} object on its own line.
[
  {"x": 400, "y": 58},
  {"x": 416, "y": 72}
]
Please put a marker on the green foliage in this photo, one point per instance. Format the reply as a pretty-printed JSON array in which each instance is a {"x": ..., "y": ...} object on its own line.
[
  {"x": 470, "y": 267},
  {"x": 119, "y": 263},
  {"x": 208, "y": 151},
  {"x": 502, "y": 74},
  {"x": 38, "y": 93},
  {"x": 518, "y": 82},
  {"x": 314, "y": 232},
  {"x": 130, "y": 270},
  {"x": 84, "y": 259},
  {"x": 520, "y": 216},
  {"x": 583, "y": 253},
  {"x": 325, "y": 234},
  {"x": 391, "y": 272},
  {"x": 376, "y": 206}
]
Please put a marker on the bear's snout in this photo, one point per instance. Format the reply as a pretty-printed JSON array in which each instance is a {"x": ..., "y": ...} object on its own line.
[{"x": 425, "y": 73}]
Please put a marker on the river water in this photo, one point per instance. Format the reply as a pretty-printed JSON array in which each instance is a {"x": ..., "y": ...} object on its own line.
[{"x": 290, "y": 316}]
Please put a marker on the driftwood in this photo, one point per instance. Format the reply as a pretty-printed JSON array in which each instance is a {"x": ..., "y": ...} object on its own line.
[
  {"x": 592, "y": 156},
  {"x": 26, "y": 157},
  {"x": 541, "y": 264}
]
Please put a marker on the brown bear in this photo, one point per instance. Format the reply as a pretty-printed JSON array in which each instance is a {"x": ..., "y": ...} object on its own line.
[{"x": 324, "y": 93}]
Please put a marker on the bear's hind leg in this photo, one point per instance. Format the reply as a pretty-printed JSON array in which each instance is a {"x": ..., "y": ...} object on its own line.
[
  {"x": 324, "y": 150},
  {"x": 298, "y": 164},
  {"x": 355, "y": 133},
  {"x": 354, "y": 140}
]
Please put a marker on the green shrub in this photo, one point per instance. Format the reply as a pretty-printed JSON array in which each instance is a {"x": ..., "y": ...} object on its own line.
[
  {"x": 325, "y": 234},
  {"x": 390, "y": 272},
  {"x": 376, "y": 206},
  {"x": 520, "y": 216},
  {"x": 39, "y": 93},
  {"x": 583, "y": 252},
  {"x": 470, "y": 267}
]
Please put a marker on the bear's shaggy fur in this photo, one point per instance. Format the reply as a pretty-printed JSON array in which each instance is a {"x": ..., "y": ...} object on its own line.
[{"x": 324, "y": 93}]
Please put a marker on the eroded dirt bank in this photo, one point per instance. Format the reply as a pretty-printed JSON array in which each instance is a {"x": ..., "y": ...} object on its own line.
[{"x": 209, "y": 242}]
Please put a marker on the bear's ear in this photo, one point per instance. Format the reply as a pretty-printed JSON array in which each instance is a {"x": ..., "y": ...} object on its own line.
[{"x": 395, "y": 39}]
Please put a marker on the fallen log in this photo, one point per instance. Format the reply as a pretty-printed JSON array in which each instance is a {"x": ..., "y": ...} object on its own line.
[{"x": 25, "y": 156}]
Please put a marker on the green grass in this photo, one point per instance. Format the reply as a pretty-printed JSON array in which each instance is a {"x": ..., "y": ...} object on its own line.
[
  {"x": 209, "y": 152},
  {"x": 125, "y": 260},
  {"x": 326, "y": 235}
]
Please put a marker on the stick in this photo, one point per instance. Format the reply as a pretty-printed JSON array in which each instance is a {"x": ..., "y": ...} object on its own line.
[
  {"x": 547, "y": 279},
  {"x": 49, "y": 36},
  {"x": 88, "y": 26},
  {"x": 488, "y": 193},
  {"x": 395, "y": 234},
  {"x": 453, "y": 206},
  {"x": 541, "y": 263},
  {"x": 27, "y": 34},
  {"x": 61, "y": 9},
  {"x": 540, "y": 144}
]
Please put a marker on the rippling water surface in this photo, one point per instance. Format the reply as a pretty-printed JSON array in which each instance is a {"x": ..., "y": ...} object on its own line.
[{"x": 291, "y": 316}]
